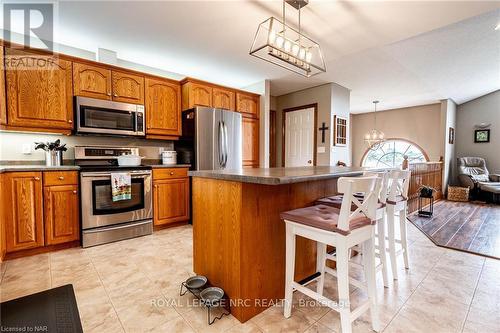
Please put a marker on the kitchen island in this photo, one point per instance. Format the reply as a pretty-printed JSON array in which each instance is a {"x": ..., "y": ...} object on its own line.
[{"x": 238, "y": 236}]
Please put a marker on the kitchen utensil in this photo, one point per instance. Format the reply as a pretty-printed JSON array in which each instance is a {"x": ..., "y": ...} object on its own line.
[
  {"x": 169, "y": 157},
  {"x": 129, "y": 160}
]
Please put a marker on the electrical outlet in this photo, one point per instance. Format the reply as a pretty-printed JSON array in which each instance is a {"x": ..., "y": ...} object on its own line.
[{"x": 27, "y": 149}]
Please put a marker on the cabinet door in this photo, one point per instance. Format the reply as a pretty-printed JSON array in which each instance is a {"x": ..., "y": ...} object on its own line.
[
  {"x": 163, "y": 107},
  {"x": 248, "y": 104},
  {"x": 61, "y": 214},
  {"x": 223, "y": 99},
  {"x": 128, "y": 88},
  {"x": 39, "y": 97},
  {"x": 250, "y": 142},
  {"x": 195, "y": 94},
  {"x": 3, "y": 99},
  {"x": 91, "y": 81},
  {"x": 24, "y": 210},
  {"x": 171, "y": 200}
]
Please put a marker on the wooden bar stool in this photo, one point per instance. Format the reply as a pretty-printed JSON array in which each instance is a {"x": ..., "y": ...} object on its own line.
[
  {"x": 399, "y": 182},
  {"x": 342, "y": 228},
  {"x": 380, "y": 249}
]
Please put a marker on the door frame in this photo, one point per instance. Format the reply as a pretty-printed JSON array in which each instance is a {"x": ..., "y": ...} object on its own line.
[
  {"x": 283, "y": 129},
  {"x": 272, "y": 139}
]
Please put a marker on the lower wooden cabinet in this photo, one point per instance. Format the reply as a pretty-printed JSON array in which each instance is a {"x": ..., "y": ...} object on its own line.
[
  {"x": 23, "y": 204},
  {"x": 61, "y": 214},
  {"x": 171, "y": 196},
  {"x": 36, "y": 215}
]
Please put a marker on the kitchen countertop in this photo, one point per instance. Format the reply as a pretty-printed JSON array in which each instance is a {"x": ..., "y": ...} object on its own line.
[
  {"x": 42, "y": 167},
  {"x": 278, "y": 176}
]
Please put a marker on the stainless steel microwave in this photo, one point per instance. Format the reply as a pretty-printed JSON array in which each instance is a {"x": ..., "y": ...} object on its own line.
[{"x": 96, "y": 116}]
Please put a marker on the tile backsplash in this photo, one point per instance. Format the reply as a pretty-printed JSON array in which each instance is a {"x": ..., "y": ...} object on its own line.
[{"x": 11, "y": 145}]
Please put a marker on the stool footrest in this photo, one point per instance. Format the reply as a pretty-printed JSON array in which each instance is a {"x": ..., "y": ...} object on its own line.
[{"x": 352, "y": 281}]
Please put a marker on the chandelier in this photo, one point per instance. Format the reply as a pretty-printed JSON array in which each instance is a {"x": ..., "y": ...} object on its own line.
[
  {"x": 286, "y": 47},
  {"x": 374, "y": 138}
]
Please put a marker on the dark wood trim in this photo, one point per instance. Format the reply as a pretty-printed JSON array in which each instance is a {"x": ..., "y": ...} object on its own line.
[
  {"x": 400, "y": 139},
  {"x": 272, "y": 139},
  {"x": 43, "y": 249},
  {"x": 283, "y": 129}
]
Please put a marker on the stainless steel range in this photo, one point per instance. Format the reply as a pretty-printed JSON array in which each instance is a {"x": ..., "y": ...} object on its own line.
[{"x": 105, "y": 220}]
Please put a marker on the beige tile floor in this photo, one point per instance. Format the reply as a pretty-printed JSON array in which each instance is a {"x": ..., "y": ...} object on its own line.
[{"x": 133, "y": 286}]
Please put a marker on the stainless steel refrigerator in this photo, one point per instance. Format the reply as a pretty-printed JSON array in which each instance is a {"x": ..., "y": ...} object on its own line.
[{"x": 211, "y": 139}]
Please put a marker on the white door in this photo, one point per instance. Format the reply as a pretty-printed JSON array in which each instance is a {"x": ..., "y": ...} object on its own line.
[{"x": 299, "y": 138}]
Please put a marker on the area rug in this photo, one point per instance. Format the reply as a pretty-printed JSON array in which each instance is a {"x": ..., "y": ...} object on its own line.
[
  {"x": 52, "y": 310},
  {"x": 466, "y": 226}
]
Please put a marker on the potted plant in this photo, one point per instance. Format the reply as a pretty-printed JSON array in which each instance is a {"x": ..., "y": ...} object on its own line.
[{"x": 53, "y": 152}]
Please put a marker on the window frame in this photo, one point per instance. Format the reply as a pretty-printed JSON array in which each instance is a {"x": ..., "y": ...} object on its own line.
[{"x": 424, "y": 153}]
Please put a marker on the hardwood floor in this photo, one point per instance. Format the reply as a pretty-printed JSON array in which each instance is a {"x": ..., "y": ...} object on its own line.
[{"x": 466, "y": 226}]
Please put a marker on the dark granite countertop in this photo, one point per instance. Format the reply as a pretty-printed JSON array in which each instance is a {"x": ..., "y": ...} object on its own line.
[
  {"x": 156, "y": 166},
  {"x": 278, "y": 176},
  {"x": 36, "y": 167}
]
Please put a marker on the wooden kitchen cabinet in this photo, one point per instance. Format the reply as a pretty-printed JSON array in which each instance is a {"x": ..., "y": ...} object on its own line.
[
  {"x": 196, "y": 94},
  {"x": 223, "y": 99},
  {"x": 170, "y": 196},
  {"x": 248, "y": 104},
  {"x": 91, "y": 81},
  {"x": 250, "y": 142},
  {"x": 61, "y": 214},
  {"x": 39, "y": 98},
  {"x": 23, "y": 204},
  {"x": 163, "y": 108},
  {"x": 127, "y": 87}
]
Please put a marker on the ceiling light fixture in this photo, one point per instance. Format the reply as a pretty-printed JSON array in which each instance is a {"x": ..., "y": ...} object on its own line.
[
  {"x": 286, "y": 47},
  {"x": 374, "y": 138},
  {"x": 497, "y": 27}
]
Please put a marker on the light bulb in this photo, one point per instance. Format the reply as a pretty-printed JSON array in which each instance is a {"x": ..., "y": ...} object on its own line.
[
  {"x": 295, "y": 49},
  {"x": 302, "y": 53},
  {"x": 272, "y": 37},
  {"x": 308, "y": 56},
  {"x": 287, "y": 46},
  {"x": 279, "y": 41}
]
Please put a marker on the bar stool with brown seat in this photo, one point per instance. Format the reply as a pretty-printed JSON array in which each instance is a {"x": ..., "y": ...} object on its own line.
[
  {"x": 341, "y": 228},
  {"x": 399, "y": 182},
  {"x": 380, "y": 249}
]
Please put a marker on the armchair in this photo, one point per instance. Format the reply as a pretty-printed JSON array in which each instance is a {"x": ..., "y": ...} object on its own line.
[{"x": 472, "y": 173}]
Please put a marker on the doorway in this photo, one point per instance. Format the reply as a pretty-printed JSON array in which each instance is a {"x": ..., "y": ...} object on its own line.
[{"x": 299, "y": 136}]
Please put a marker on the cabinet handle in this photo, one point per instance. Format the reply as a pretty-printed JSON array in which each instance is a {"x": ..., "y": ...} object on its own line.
[
  {"x": 70, "y": 121},
  {"x": 156, "y": 186},
  {"x": 37, "y": 178},
  {"x": 109, "y": 94},
  {"x": 171, "y": 173},
  {"x": 116, "y": 95},
  {"x": 75, "y": 191},
  {"x": 61, "y": 178}
]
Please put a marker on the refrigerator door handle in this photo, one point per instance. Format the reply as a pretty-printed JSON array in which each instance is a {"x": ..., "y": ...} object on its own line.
[
  {"x": 226, "y": 147},
  {"x": 221, "y": 149}
]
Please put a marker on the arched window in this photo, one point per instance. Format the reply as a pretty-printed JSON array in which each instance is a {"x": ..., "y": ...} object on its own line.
[{"x": 390, "y": 154}]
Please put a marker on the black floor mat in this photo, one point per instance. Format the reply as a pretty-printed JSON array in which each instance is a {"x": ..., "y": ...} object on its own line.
[{"x": 53, "y": 310}]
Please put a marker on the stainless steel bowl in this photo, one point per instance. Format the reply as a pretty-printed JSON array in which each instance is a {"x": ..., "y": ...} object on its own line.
[
  {"x": 212, "y": 295},
  {"x": 196, "y": 282}
]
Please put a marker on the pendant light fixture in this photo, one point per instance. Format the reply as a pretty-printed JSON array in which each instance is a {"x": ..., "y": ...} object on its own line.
[
  {"x": 286, "y": 47},
  {"x": 374, "y": 138}
]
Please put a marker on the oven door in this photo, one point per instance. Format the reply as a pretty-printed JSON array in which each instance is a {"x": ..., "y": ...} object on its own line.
[
  {"x": 98, "y": 208},
  {"x": 108, "y": 117}
]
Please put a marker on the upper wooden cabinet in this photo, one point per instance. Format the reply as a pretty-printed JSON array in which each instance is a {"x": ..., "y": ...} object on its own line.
[
  {"x": 223, "y": 99},
  {"x": 3, "y": 100},
  {"x": 163, "y": 107},
  {"x": 91, "y": 81},
  {"x": 23, "y": 203},
  {"x": 196, "y": 94},
  {"x": 248, "y": 103},
  {"x": 250, "y": 127},
  {"x": 128, "y": 88},
  {"x": 39, "y": 97}
]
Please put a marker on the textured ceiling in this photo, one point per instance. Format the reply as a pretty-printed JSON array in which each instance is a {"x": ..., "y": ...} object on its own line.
[{"x": 401, "y": 52}]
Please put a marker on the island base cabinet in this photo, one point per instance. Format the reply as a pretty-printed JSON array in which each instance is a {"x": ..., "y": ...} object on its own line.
[
  {"x": 61, "y": 214},
  {"x": 23, "y": 204}
]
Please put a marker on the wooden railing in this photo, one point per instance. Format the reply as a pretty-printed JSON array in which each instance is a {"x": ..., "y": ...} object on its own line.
[{"x": 424, "y": 174}]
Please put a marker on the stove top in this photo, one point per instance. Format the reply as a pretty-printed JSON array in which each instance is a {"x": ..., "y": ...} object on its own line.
[{"x": 113, "y": 168}]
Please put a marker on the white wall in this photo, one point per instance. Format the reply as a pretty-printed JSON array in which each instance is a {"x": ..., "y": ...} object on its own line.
[
  {"x": 448, "y": 119},
  {"x": 485, "y": 109},
  {"x": 340, "y": 107},
  {"x": 11, "y": 144}
]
